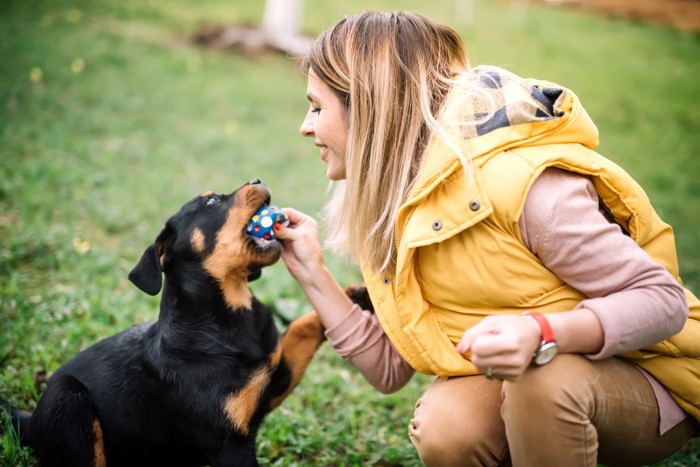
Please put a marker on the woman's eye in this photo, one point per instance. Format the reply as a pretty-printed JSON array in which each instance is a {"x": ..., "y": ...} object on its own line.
[
  {"x": 316, "y": 110},
  {"x": 211, "y": 200}
]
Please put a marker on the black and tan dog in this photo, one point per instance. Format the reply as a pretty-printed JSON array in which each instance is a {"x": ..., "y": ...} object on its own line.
[{"x": 193, "y": 387}]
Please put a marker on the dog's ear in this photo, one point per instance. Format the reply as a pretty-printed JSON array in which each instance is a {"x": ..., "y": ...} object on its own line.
[{"x": 147, "y": 275}]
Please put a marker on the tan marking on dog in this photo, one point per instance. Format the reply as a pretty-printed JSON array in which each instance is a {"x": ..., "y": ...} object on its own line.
[
  {"x": 236, "y": 292},
  {"x": 275, "y": 357},
  {"x": 299, "y": 344},
  {"x": 198, "y": 241},
  {"x": 206, "y": 193},
  {"x": 100, "y": 460},
  {"x": 160, "y": 249},
  {"x": 229, "y": 262},
  {"x": 232, "y": 278},
  {"x": 239, "y": 407}
]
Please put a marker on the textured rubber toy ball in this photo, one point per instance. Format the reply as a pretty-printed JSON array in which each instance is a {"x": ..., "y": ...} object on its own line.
[{"x": 262, "y": 223}]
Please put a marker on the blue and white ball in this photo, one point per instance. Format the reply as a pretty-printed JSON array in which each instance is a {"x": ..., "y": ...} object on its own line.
[{"x": 262, "y": 223}]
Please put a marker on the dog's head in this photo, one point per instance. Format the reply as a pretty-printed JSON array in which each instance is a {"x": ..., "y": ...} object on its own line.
[{"x": 206, "y": 241}]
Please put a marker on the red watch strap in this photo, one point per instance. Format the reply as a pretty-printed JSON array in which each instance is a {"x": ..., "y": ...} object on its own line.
[{"x": 547, "y": 334}]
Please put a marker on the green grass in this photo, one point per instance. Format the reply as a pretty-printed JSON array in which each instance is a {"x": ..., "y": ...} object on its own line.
[{"x": 110, "y": 119}]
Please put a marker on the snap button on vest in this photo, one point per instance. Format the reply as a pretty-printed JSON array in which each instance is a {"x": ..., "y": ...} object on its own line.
[
  {"x": 437, "y": 225},
  {"x": 474, "y": 205}
]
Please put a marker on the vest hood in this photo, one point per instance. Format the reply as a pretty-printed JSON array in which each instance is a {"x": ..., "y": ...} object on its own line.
[{"x": 491, "y": 110}]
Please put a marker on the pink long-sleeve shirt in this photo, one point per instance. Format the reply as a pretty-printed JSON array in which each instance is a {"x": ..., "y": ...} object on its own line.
[{"x": 637, "y": 300}]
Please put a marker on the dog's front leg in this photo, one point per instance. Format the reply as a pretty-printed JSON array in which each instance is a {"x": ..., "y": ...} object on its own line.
[{"x": 299, "y": 344}]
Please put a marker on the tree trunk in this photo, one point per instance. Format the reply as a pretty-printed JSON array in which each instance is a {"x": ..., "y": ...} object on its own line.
[
  {"x": 280, "y": 31},
  {"x": 281, "y": 26},
  {"x": 282, "y": 17}
]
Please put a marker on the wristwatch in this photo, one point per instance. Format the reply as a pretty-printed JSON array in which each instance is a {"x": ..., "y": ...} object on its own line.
[{"x": 548, "y": 348}]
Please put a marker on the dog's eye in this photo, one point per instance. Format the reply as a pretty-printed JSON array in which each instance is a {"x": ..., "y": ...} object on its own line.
[{"x": 212, "y": 200}]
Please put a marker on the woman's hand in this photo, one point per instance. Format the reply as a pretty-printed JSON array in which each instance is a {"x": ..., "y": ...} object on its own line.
[
  {"x": 301, "y": 247},
  {"x": 504, "y": 343},
  {"x": 302, "y": 254}
]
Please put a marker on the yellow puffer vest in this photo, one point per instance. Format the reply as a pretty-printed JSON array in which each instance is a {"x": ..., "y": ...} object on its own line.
[{"x": 461, "y": 256}]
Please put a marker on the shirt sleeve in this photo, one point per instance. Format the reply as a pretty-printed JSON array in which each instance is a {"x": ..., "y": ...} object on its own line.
[
  {"x": 360, "y": 339},
  {"x": 637, "y": 301}
]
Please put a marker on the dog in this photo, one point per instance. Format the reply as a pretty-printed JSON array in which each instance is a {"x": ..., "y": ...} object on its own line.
[{"x": 193, "y": 387}]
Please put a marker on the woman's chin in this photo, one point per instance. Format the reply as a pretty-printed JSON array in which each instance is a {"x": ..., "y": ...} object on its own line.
[{"x": 335, "y": 175}]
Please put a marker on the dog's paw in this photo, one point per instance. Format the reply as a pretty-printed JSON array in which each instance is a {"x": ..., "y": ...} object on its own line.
[
  {"x": 308, "y": 326},
  {"x": 358, "y": 294}
]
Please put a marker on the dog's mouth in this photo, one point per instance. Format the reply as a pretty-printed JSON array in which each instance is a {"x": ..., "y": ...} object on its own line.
[
  {"x": 262, "y": 223},
  {"x": 263, "y": 244}
]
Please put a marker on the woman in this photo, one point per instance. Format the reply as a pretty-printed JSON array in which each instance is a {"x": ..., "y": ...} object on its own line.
[{"x": 502, "y": 254}]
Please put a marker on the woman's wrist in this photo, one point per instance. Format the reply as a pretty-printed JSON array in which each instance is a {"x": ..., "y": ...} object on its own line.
[
  {"x": 318, "y": 280},
  {"x": 327, "y": 297},
  {"x": 577, "y": 331},
  {"x": 312, "y": 271}
]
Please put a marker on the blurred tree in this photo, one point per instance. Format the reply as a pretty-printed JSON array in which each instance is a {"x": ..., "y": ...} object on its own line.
[
  {"x": 280, "y": 31},
  {"x": 282, "y": 26}
]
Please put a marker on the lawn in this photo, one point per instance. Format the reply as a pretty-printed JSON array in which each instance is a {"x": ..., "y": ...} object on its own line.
[{"x": 110, "y": 119}]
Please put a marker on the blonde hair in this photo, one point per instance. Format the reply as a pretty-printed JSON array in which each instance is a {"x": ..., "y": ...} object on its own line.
[{"x": 392, "y": 72}]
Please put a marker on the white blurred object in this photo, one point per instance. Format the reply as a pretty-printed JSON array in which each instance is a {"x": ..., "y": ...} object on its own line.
[
  {"x": 283, "y": 16},
  {"x": 464, "y": 11},
  {"x": 282, "y": 24}
]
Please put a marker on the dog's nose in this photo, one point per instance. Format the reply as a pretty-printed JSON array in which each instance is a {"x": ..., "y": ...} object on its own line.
[{"x": 255, "y": 181}]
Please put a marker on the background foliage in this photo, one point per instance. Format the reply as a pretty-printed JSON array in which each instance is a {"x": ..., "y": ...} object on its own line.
[{"x": 110, "y": 119}]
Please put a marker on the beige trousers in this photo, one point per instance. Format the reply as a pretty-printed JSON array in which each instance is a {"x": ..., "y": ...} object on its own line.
[{"x": 570, "y": 412}]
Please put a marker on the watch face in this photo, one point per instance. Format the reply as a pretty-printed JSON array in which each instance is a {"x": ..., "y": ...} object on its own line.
[{"x": 546, "y": 353}]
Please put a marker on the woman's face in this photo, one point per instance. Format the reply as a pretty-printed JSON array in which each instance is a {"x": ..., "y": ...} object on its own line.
[{"x": 325, "y": 123}]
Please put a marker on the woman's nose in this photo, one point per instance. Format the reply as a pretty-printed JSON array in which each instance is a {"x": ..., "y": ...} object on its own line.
[{"x": 307, "y": 127}]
